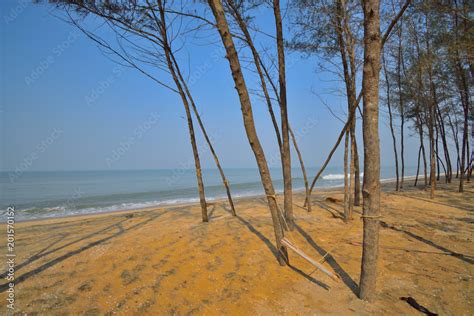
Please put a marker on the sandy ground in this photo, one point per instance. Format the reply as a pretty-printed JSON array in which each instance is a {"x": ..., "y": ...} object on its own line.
[{"x": 165, "y": 261}]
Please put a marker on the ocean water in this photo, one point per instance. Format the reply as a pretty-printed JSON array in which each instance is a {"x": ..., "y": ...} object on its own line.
[{"x": 43, "y": 194}]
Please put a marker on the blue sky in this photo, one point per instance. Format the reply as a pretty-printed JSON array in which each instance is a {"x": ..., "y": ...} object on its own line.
[{"x": 66, "y": 106}]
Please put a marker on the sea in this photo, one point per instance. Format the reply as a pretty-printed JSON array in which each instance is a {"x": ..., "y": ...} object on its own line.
[{"x": 48, "y": 194}]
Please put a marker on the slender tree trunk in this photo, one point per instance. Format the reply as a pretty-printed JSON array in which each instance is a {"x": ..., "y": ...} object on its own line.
[
  {"x": 418, "y": 166},
  {"x": 432, "y": 155},
  {"x": 303, "y": 170},
  {"x": 425, "y": 166},
  {"x": 392, "y": 131},
  {"x": 356, "y": 173},
  {"x": 463, "y": 151},
  {"x": 351, "y": 177},
  {"x": 442, "y": 135},
  {"x": 346, "y": 182},
  {"x": 246, "y": 107},
  {"x": 400, "y": 65},
  {"x": 259, "y": 66},
  {"x": 346, "y": 50},
  {"x": 419, "y": 124},
  {"x": 197, "y": 163},
  {"x": 464, "y": 91},
  {"x": 454, "y": 131},
  {"x": 285, "y": 150},
  {"x": 431, "y": 116},
  {"x": 206, "y": 137},
  {"x": 351, "y": 115},
  {"x": 402, "y": 147},
  {"x": 261, "y": 70},
  {"x": 371, "y": 186},
  {"x": 437, "y": 152}
]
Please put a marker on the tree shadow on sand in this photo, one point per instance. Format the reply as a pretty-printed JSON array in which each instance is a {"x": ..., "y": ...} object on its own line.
[
  {"x": 452, "y": 202},
  {"x": 460, "y": 256},
  {"x": 346, "y": 278},
  {"x": 274, "y": 251},
  {"x": 42, "y": 253},
  {"x": 59, "y": 259}
]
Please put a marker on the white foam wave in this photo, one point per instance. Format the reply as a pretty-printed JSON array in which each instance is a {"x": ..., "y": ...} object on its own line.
[{"x": 337, "y": 176}]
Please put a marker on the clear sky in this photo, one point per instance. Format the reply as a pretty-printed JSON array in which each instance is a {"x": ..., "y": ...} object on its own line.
[{"x": 66, "y": 106}]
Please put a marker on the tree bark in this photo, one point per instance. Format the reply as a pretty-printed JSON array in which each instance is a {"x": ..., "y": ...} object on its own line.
[
  {"x": 371, "y": 186},
  {"x": 206, "y": 137},
  {"x": 249, "y": 124},
  {"x": 351, "y": 114},
  {"x": 285, "y": 149},
  {"x": 303, "y": 170},
  {"x": 197, "y": 163},
  {"x": 346, "y": 46},
  {"x": 262, "y": 73}
]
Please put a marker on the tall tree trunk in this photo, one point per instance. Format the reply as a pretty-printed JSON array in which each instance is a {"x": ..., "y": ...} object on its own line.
[
  {"x": 285, "y": 149},
  {"x": 371, "y": 186},
  {"x": 400, "y": 65},
  {"x": 464, "y": 150},
  {"x": 431, "y": 127},
  {"x": 432, "y": 153},
  {"x": 463, "y": 87},
  {"x": 392, "y": 131},
  {"x": 351, "y": 115},
  {"x": 346, "y": 51},
  {"x": 246, "y": 107},
  {"x": 206, "y": 137},
  {"x": 262, "y": 72},
  {"x": 197, "y": 163}
]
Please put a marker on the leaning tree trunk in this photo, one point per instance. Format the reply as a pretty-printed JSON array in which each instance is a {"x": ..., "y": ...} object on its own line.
[
  {"x": 285, "y": 149},
  {"x": 206, "y": 137},
  {"x": 346, "y": 51},
  {"x": 202, "y": 197},
  {"x": 246, "y": 107},
  {"x": 303, "y": 170},
  {"x": 262, "y": 72},
  {"x": 371, "y": 186},
  {"x": 442, "y": 131}
]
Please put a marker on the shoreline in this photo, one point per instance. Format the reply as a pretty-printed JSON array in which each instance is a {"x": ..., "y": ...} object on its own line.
[{"x": 383, "y": 183}]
